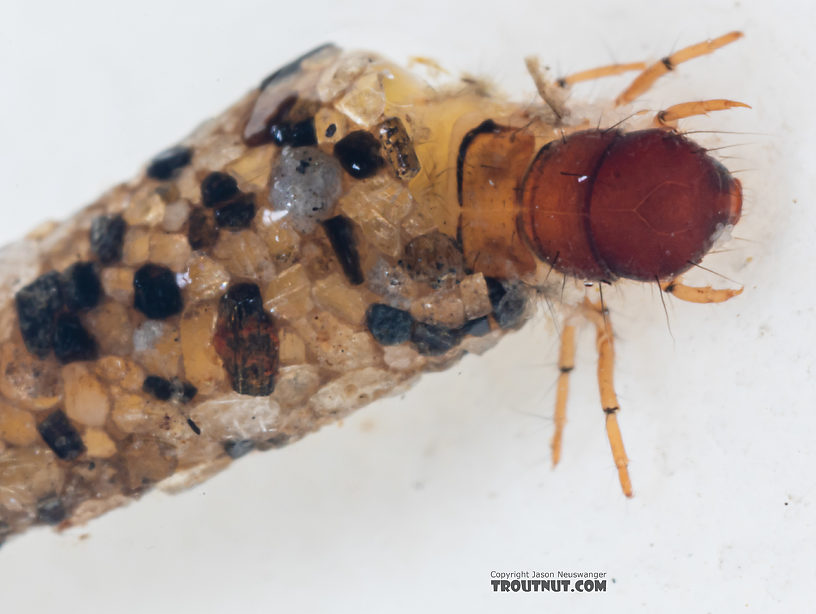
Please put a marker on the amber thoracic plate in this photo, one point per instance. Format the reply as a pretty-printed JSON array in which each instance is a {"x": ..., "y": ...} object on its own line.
[{"x": 339, "y": 230}]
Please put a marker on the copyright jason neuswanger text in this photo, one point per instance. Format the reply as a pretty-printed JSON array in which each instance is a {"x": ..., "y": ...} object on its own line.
[{"x": 548, "y": 581}]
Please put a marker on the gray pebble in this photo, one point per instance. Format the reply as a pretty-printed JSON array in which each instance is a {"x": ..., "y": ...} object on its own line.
[{"x": 306, "y": 183}]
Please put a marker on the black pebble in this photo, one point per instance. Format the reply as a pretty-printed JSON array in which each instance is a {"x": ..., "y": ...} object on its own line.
[
  {"x": 201, "y": 230},
  {"x": 80, "y": 286},
  {"x": 107, "y": 234},
  {"x": 331, "y": 130},
  {"x": 61, "y": 436},
  {"x": 37, "y": 306},
  {"x": 218, "y": 188},
  {"x": 432, "y": 340},
  {"x": 157, "y": 387},
  {"x": 236, "y": 215},
  {"x": 495, "y": 291},
  {"x": 237, "y": 449},
  {"x": 50, "y": 510},
  {"x": 294, "y": 134},
  {"x": 340, "y": 231},
  {"x": 509, "y": 302},
  {"x": 156, "y": 293},
  {"x": 510, "y": 312},
  {"x": 71, "y": 341},
  {"x": 388, "y": 325},
  {"x": 477, "y": 328},
  {"x": 359, "y": 154},
  {"x": 165, "y": 165}
]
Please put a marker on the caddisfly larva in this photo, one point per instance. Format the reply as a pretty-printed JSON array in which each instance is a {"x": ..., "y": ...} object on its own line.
[{"x": 331, "y": 236}]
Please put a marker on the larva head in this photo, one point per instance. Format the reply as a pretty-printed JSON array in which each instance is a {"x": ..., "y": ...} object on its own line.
[{"x": 643, "y": 205}]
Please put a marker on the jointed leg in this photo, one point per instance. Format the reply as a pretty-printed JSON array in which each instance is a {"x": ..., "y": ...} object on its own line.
[
  {"x": 609, "y": 400},
  {"x": 652, "y": 73},
  {"x": 598, "y": 73},
  {"x": 566, "y": 362},
  {"x": 705, "y": 294},
  {"x": 667, "y": 118}
]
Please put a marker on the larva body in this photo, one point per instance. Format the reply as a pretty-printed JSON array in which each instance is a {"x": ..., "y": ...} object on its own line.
[{"x": 334, "y": 234}]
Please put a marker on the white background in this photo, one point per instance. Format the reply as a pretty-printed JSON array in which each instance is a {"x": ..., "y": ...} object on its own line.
[{"x": 414, "y": 501}]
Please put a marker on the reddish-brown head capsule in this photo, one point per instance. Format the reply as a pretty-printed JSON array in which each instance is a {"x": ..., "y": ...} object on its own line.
[{"x": 643, "y": 205}]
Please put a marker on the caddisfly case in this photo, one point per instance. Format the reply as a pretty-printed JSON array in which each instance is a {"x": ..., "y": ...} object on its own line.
[{"x": 341, "y": 229}]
